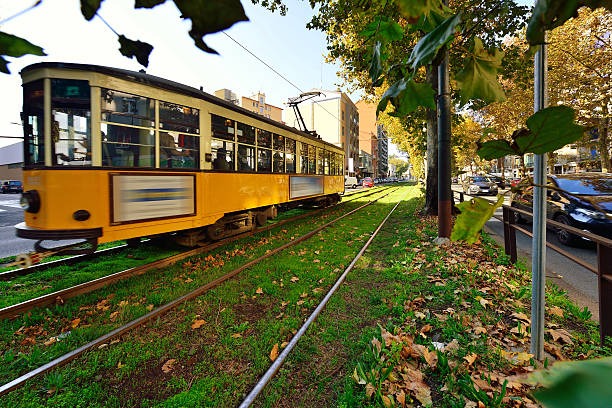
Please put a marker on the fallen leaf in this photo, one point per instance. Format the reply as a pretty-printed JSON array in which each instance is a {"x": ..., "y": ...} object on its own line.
[
  {"x": 236, "y": 335},
  {"x": 198, "y": 323},
  {"x": 303, "y": 295},
  {"x": 426, "y": 328},
  {"x": 294, "y": 279},
  {"x": 557, "y": 311},
  {"x": 259, "y": 291},
  {"x": 369, "y": 390},
  {"x": 299, "y": 302},
  {"x": 470, "y": 358},
  {"x": 113, "y": 316},
  {"x": 560, "y": 334},
  {"x": 168, "y": 366},
  {"x": 149, "y": 308},
  {"x": 284, "y": 344},
  {"x": 274, "y": 352},
  {"x": 188, "y": 280},
  {"x": 50, "y": 341},
  {"x": 75, "y": 322},
  {"x": 123, "y": 303}
]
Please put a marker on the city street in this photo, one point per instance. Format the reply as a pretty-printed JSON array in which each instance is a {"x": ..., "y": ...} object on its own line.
[
  {"x": 11, "y": 214},
  {"x": 578, "y": 281}
]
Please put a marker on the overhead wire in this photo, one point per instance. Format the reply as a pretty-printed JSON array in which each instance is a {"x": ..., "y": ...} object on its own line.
[{"x": 277, "y": 73}]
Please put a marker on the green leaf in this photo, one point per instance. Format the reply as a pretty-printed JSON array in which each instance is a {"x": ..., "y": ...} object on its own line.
[
  {"x": 375, "y": 66},
  {"x": 210, "y": 17},
  {"x": 412, "y": 97},
  {"x": 575, "y": 384},
  {"x": 13, "y": 46},
  {"x": 548, "y": 14},
  {"x": 393, "y": 91},
  {"x": 474, "y": 214},
  {"x": 414, "y": 9},
  {"x": 148, "y": 3},
  {"x": 494, "y": 149},
  {"x": 135, "y": 48},
  {"x": 429, "y": 22},
  {"x": 385, "y": 28},
  {"x": 550, "y": 129},
  {"x": 89, "y": 8},
  {"x": 428, "y": 46},
  {"x": 478, "y": 78}
]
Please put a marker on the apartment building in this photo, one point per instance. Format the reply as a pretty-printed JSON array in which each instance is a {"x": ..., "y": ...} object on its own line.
[
  {"x": 257, "y": 103},
  {"x": 373, "y": 138},
  {"x": 11, "y": 162},
  {"x": 335, "y": 118}
]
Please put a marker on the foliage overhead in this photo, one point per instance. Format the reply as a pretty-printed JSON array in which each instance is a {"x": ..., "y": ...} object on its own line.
[
  {"x": 549, "y": 14},
  {"x": 478, "y": 78},
  {"x": 474, "y": 214},
  {"x": 13, "y": 46},
  {"x": 428, "y": 46},
  {"x": 206, "y": 17},
  {"x": 547, "y": 130},
  {"x": 406, "y": 97}
]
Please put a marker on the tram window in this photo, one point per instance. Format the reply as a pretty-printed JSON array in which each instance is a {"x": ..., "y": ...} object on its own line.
[
  {"x": 278, "y": 142},
  {"x": 312, "y": 163},
  {"x": 264, "y": 162},
  {"x": 223, "y": 154},
  {"x": 278, "y": 162},
  {"x": 71, "y": 122},
  {"x": 33, "y": 122},
  {"x": 326, "y": 169},
  {"x": 177, "y": 150},
  {"x": 127, "y": 109},
  {"x": 319, "y": 160},
  {"x": 245, "y": 134},
  {"x": 290, "y": 156},
  {"x": 222, "y": 128},
  {"x": 179, "y": 118},
  {"x": 246, "y": 158},
  {"x": 124, "y": 146},
  {"x": 264, "y": 138},
  {"x": 304, "y": 159}
]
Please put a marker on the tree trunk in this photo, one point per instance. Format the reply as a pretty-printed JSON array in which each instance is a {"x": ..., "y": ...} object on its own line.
[
  {"x": 604, "y": 144},
  {"x": 431, "y": 184}
]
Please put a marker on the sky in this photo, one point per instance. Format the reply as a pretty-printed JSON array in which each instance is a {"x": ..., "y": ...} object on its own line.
[{"x": 281, "y": 41}]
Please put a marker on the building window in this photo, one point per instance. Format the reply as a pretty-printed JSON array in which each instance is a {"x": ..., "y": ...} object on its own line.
[{"x": 342, "y": 115}]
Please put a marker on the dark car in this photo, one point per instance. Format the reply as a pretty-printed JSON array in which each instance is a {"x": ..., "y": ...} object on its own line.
[
  {"x": 479, "y": 185},
  {"x": 575, "y": 209},
  {"x": 11, "y": 186},
  {"x": 500, "y": 181}
]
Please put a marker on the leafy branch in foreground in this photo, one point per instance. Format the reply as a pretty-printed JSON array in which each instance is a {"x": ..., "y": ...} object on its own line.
[
  {"x": 547, "y": 130},
  {"x": 575, "y": 384},
  {"x": 474, "y": 214}
]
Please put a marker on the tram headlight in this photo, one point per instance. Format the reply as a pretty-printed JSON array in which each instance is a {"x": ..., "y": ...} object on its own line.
[{"x": 30, "y": 201}]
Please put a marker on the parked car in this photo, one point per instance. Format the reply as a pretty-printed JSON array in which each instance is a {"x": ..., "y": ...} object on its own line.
[
  {"x": 574, "y": 209},
  {"x": 514, "y": 181},
  {"x": 367, "y": 182},
  {"x": 500, "y": 181},
  {"x": 350, "y": 182},
  {"x": 479, "y": 185},
  {"x": 11, "y": 186}
]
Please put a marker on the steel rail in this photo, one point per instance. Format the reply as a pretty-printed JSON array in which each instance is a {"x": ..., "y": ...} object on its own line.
[
  {"x": 66, "y": 358},
  {"x": 69, "y": 260},
  {"x": 86, "y": 287},
  {"x": 265, "y": 379}
]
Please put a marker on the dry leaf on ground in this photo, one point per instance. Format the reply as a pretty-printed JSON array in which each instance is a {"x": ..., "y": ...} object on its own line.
[
  {"x": 168, "y": 366},
  {"x": 274, "y": 352},
  {"x": 198, "y": 323}
]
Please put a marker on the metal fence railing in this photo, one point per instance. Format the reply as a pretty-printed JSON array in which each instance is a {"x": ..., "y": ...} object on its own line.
[{"x": 603, "y": 269}]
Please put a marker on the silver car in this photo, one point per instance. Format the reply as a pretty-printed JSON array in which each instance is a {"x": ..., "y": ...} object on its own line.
[{"x": 479, "y": 185}]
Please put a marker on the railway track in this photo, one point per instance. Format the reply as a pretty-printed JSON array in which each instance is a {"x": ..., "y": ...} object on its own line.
[
  {"x": 71, "y": 260},
  {"x": 86, "y": 287},
  {"x": 20, "y": 381},
  {"x": 278, "y": 362}
]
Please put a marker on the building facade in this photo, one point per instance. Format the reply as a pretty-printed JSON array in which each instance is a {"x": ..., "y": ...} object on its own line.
[
  {"x": 366, "y": 166},
  {"x": 227, "y": 95},
  {"x": 257, "y": 103},
  {"x": 373, "y": 139},
  {"x": 335, "y": 118},
  {"x": 11, "y": 162}
]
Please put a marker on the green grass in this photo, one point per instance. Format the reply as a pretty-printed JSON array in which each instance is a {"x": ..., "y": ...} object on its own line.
[{"x": 173, "y": 332}]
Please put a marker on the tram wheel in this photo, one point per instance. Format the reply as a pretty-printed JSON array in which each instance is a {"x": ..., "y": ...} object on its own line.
[
  {"x": 261, "y": 218},
  {"x": 215, "y": 232}
]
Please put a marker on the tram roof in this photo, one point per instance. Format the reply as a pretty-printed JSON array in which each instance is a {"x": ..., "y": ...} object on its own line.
[{"x": 169, "y": 85}]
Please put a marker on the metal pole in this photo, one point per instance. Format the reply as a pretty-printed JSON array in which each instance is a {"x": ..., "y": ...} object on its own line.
[
  {"x": 538, "y": 244},
  {"x": 444, "y": 149}
]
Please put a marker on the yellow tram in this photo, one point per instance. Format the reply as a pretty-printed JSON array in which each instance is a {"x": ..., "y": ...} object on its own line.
[{"x": 112, "y": 154}]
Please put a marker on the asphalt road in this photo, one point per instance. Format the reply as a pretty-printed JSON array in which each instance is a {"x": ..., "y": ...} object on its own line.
[
  {"x": 11, "y": 214},
  {"x": 580, "y": 283}
]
